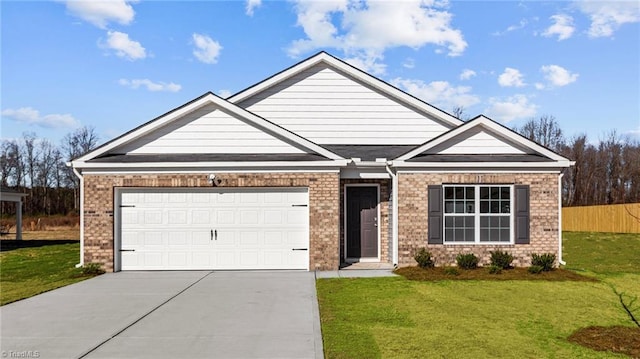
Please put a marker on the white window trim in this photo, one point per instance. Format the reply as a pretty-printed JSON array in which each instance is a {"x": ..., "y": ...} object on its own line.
[{"x": 477, "y": 214}]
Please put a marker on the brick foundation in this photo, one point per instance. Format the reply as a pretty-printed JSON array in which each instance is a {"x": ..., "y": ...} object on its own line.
[
  {"x": 413, "y": 227},
  {"x": 324, "y": 208}
]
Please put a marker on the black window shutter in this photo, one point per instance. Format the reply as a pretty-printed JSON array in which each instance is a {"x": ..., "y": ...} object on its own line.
[
  {"x": 522, "y": 214},
  {"x": 435, "y": 215}
]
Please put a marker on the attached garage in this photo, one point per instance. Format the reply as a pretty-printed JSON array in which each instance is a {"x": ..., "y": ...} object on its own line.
[{"x": 212, "y": 228}]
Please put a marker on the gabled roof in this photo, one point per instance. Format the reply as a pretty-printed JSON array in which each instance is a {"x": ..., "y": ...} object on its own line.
[
  {"x": 359, "y": 75},
  {"x": 204, "y": 100},
  {"x": 530, "y": 148}
]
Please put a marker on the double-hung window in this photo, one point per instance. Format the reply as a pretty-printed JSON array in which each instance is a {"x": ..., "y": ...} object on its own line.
[{"x": 478, "y": 214}]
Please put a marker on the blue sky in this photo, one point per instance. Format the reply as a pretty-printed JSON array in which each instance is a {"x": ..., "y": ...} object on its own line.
[{"x": 117, "y": 64}]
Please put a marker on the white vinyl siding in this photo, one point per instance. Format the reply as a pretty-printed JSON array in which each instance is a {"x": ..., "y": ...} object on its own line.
[
  {"x": 328, "y": 107},
  {"x": 208, "y": 130},
  {"x": 476, "y": 142}
]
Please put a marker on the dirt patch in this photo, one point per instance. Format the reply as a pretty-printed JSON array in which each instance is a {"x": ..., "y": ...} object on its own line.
[
  {"x": 616, "y": 339},
  {"x": 453, "y": 273}
]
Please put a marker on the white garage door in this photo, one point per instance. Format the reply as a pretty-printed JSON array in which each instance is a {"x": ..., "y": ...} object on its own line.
[{"x": 187, "y": 228}]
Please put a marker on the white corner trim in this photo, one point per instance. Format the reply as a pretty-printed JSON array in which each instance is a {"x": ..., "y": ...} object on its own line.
[
  {"x": 530, "y": 165},
  {"x": 560, "y": 260},
  {"x": 209, "y": 165}
]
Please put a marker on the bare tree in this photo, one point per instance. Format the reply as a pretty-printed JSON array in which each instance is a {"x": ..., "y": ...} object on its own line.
[
  {"x": 74, "y": 145},
  {"x": 545, "y": 131},
  {"x": 459, "y": 113}
]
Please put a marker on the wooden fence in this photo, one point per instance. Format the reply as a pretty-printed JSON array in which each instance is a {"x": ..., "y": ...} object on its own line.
[{"x": 615, "y": 218}]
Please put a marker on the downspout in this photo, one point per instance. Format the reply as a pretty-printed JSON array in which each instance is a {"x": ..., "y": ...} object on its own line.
[
  {"x": 560, "y": 220},
  {"x": 394, "y": 217},
  {"x": 75, "y": 171}
]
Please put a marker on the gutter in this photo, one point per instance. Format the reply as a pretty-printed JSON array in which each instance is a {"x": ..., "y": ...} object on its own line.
[
  {"x": 394, "y": 217},
  {"x": 81, "y": 185},
  {"x": 560, "y": 220}
]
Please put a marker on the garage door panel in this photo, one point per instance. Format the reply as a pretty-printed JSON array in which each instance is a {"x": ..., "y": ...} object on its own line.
[{"x": 254, "y": 228}]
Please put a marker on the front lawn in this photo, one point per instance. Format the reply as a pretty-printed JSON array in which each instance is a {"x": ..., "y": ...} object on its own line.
[
  {"x": 29, "y": 270},
  {"x": 398, "y": 318}
]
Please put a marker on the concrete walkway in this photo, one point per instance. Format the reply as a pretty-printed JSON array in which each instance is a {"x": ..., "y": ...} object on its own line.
[{"x": 169, "y": 315}]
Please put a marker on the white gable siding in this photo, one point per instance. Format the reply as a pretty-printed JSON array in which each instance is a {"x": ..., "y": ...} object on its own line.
[
  {"x": 328, "y": 107},
  {"x": 207, "y": 130},
  {"x": 476, "y": 141}
]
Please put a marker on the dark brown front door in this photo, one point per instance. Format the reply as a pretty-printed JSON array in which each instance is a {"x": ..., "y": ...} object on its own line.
[{"x": 362, "y": 222}]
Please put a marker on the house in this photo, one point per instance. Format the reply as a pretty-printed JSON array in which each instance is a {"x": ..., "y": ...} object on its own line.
[{"x": 317, "y": 165}]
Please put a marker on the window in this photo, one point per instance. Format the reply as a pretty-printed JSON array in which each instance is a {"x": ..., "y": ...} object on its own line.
[{"x": 478, "y": 214}]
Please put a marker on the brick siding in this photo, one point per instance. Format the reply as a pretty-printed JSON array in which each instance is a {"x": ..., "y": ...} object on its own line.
[
  {"x": 413, "y": 226},
  {"x": 324, "y": 208}
]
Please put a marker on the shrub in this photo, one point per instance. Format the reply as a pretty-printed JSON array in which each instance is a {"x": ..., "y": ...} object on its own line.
[
  {"x": 424, "y": 259},
  {"x": 534, "y": 269},
  {"x": 501, "y": 259},
  {"x": 467, "y": 261},
  {"x": 546, "y": 261},
  {"x": 451, "y": 271},
  {"x": 92, "y": 269},
  {"x": 494, "y": 269}
]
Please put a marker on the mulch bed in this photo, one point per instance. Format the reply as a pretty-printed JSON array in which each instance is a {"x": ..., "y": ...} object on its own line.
[
  {"x": 616, "y": 339},
  {"x": 444, "y": 273}
]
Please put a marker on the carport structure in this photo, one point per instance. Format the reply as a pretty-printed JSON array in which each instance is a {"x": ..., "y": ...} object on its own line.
[{"x": 9, "y": 195}]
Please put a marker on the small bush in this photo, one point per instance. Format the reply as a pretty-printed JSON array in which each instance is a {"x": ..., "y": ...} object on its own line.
[
  {"x": 467, "y": 261},
  {"x": 501, "y": 259},
  {"x": 92, "y": 269},
  {"x": 451, "y": 271},
  {"x": 546, "y": 261},
  {"x": 494, "y": 269},
  {"x": 534, "y": 269},
  {"x": 424, "y": 259}
]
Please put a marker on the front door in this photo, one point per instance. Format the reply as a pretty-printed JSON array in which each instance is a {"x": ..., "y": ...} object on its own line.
[{"x": 362, "y": 222}]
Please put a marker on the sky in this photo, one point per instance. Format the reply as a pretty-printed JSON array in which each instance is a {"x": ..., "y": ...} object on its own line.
[{"x": 115, "y": 65}]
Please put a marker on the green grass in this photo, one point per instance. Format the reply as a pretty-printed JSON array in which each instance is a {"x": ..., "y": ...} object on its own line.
[
  {"x": 602, "y": 253},
  {"x": 398, "y": 318},
  {"x": 25, "y": 272}
]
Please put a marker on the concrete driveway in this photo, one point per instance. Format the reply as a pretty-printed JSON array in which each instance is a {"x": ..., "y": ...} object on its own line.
[{"x": 195, "y": 314}]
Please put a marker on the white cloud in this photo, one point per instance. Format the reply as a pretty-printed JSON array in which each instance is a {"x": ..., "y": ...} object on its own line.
[
  {"x": 438, "y": 93},
  {"x": 150, "y": 85},
  {"x": 511, "y": 28},
  {"x": 252, "y": 5},
  {"x": 224, "y": 93},
  {"x": 364, "y": 30},
  {"x": 466, "y": 74},
  {"x": 32, "y": 116},
  {"x": 558, "y": 76},
  {"x": 511, "y": 78},
  {"x": 607, "y": 16},
  {"x": 634, "y": 133},
  {"x": 409, "y": 63},
  {"x": 123, "y": 46},
  {"x": 539, "y": 86},
  {"x": 100, "y": 13},
  {"x": 562, "y": 26},
  {"x": 207, "y": 50},
  {"x": 368, "y": 63},
  {"x": 511, "y": 108}
]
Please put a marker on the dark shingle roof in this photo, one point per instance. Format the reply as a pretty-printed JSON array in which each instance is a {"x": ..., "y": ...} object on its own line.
[
  {"x": 369, "y": 152},
  {"x": 479, "y": 158},
  {"x": 209, "y": 157}
]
